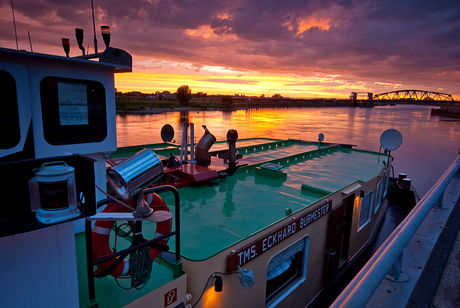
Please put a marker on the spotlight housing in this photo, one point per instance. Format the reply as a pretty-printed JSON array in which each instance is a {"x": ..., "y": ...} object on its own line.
[
  {"x": 79, "y": 37},
  {"x": 66, "y": 46},
  {"x": 106, "y": 35},
  {"x": 219, "y": 284},
  {"x": 246, "y": 278}
]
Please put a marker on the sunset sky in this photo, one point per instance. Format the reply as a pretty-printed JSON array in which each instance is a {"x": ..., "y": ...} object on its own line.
[{"x": 319, "y": 48}]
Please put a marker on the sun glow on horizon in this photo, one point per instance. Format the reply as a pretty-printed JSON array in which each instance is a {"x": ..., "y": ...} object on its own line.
[{"x": 250, "y": 85}]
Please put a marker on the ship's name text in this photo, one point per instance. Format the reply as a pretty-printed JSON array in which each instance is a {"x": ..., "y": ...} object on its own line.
[{"x": 261, "y": 245}]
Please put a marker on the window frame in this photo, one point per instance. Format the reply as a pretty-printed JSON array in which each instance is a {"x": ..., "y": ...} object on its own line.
[
  {"x": 363, "y": 223},
  {"x": 10, "y": 134},
  {"x": 57, "y": 133},
  {"x": 294, "y": 282},
  {"x": 385, "y": 188},
  {"x": 379, "y": 196}
]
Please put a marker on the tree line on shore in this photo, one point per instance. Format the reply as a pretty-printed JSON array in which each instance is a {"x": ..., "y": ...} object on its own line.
[{"x": 137, "y": 101}]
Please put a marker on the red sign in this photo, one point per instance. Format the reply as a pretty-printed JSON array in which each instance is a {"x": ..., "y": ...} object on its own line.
[
  {"x": 260, "y": 246},
  {"x": 170, "y": 297}
]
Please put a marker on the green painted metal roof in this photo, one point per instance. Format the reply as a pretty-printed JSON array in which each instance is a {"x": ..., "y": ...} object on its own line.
[{"x": 220, "y": 213}]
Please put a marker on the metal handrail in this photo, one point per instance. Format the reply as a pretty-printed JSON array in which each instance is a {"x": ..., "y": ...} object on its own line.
[
  {"x": 362, "y": 287},
  {"x": 88, "y": 236}
]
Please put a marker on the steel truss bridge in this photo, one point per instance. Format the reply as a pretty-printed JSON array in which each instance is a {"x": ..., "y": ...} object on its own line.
[{"x": 411, "y": 95}]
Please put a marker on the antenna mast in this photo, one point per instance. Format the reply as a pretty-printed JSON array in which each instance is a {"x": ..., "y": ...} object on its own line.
[
  {"x": 94, "y": 28},
  {"x": 30, "y": 42},
  {"x": 14, "y": 22}
]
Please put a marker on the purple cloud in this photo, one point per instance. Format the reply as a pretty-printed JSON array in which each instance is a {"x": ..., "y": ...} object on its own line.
[{"x": 413, "y": 43}]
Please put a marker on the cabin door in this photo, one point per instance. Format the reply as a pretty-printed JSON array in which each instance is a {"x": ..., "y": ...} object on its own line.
[{"x": 338, "y": 238}]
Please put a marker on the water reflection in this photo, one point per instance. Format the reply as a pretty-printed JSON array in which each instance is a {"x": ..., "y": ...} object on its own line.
[
  {"x": 430, "y": 143},
  {"x": 229, "y": 206},
  {"x": 184, "y": 117}
]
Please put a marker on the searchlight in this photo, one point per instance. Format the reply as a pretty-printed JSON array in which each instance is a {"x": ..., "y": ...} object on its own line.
[{"x": 134, "y": 174}]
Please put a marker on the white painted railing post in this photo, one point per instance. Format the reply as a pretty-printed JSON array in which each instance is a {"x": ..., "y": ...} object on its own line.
[
  {"x": 395, "y": 273},
  {"x": 438, "y": 204}
]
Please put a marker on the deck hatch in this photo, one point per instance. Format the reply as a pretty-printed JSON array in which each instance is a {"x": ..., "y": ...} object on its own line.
[{"x": 351, "y": 189}]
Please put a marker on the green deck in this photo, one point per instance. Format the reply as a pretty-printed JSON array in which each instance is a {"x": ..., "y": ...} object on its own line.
[
  {"x": 217, "y": 214},
  {"x": 108, "y": 293},
  {"x": 220, "y": 213}
]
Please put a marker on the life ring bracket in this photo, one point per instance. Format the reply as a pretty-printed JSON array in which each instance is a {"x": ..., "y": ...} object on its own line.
[
  {"x": 91, "y": 261},
  {"x": 118, "y": 266}
]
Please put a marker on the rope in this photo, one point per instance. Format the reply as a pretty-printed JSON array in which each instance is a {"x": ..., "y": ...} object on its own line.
[{"x": 140, "y": 264}]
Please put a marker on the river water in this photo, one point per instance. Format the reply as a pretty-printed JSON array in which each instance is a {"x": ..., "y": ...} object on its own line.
[{"x": 430, "y": 143}]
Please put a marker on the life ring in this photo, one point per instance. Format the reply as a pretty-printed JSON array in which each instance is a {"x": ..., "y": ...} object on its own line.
[{"x": 101, "y": 234}]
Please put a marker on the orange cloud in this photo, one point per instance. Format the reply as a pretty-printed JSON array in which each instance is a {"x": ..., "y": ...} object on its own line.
[
  {"x": 305, "y": 24},
  {"x": 224, "y": 15},
  {"x": 204, "y": 31}
]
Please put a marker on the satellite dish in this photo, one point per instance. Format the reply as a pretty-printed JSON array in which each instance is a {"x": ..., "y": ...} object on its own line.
[
  {"x": 167, "y": 133},
  {"x": 391, "y": 139}
]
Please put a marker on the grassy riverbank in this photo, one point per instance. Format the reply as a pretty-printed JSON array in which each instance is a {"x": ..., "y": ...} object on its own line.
[{"x": 151, "y": 105}]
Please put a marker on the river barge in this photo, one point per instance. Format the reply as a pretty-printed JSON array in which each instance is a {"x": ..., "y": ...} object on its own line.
[
  {"x": 447, "y": 110},
  {"x": 244, "y": 222}
]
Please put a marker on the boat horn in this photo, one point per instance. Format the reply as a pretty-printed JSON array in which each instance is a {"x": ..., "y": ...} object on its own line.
[{"x": 202, "y": 156}]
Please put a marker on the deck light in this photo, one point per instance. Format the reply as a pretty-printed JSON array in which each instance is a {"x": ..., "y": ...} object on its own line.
[
  {"x": 66, "y": 45},
  {"x": 79, "y": 36},
  {"x": 219, "y": 284},
  {"x": 358, "y": 199},
  {"x": 106, "y": 35},
  {"x": 246, "y": 278},
  {"x": 53, "y": 193}
]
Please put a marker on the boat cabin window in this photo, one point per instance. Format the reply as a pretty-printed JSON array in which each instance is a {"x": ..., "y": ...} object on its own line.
[
  {"x": 379, "y": 196},
  {"x": 10, "y": 133},
  {"x": 286, "y": 271},
  {"x": 365, "y": 211},
  {"x": 73, "y": 110}
]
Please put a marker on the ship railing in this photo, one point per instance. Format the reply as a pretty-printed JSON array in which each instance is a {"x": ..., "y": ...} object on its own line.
[
  {"x": 360, "y": 290},
  {"x": 177, "y": 266}
]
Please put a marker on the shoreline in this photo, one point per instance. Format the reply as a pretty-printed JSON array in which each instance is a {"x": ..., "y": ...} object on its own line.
[
  {"x": 179, "y": 109},
  {"x": 187, "y": 109}
]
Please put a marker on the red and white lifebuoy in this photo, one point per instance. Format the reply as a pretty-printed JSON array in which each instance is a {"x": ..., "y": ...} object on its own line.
[{"x": 101, "y": 234}]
